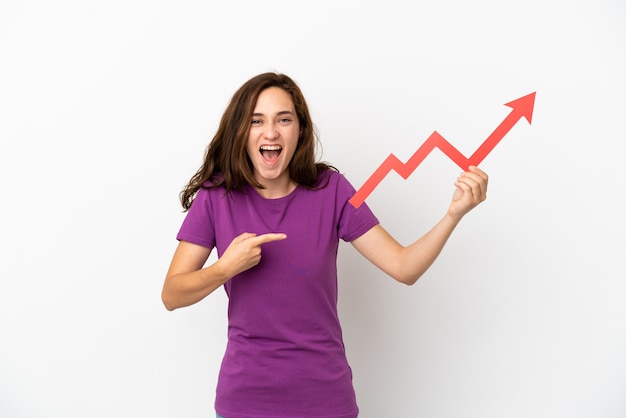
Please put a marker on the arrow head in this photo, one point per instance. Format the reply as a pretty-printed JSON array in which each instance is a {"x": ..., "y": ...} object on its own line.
[{"x": 523, "y": 107}]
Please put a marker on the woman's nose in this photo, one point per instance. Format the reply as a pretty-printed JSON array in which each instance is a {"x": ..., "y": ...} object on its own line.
[{"x": 270, "y": 131}]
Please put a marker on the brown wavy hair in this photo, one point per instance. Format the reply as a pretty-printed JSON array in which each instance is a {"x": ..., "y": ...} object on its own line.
[{"x": 226, "y": 162}]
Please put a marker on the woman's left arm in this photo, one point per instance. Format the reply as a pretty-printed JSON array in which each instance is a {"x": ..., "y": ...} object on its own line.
[{"x": 408, "y": 264}]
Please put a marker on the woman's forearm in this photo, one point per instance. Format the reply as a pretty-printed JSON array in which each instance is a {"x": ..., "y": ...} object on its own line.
[
  {"x": 416, "y": 258},
  {"x": 184, "y": 289}
]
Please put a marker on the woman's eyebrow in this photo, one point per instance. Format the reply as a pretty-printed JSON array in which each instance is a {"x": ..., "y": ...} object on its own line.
[{"x": 282, "y": 112}]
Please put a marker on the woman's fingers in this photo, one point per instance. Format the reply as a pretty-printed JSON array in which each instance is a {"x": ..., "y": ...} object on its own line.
[
  {"x": 244, "y": 252},
  {"x": 474, "y": 184}
]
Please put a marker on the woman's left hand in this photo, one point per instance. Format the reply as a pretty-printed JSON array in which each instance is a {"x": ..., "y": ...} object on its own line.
[{"x": 471, "y": 190}]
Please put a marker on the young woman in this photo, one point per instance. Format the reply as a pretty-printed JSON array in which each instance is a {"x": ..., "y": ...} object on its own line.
[{"x": 275, "y": 216}]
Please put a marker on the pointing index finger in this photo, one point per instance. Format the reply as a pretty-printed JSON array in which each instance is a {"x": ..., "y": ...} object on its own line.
[{"x": 264, "y": 238}]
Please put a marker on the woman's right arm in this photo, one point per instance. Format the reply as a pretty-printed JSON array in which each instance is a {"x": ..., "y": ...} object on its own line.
[{"x": 187, "y": 282}]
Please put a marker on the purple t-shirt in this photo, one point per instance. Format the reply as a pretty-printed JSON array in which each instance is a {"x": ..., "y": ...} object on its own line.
[{"x": 285, "y": 355}]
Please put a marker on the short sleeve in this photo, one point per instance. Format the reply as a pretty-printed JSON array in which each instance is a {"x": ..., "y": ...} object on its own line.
[
  {"x": 353, "y": 222},
  {"x": 198, "y": 226}
]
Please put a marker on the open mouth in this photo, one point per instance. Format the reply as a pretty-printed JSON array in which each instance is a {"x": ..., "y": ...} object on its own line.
[{"x": 270, "y": 153}]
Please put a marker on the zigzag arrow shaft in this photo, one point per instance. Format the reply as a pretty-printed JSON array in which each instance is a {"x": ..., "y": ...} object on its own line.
[{"x": 522, "y": 107}]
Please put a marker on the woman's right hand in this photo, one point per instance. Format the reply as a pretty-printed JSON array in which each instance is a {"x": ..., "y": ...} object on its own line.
[{"x": 244, "y": 251}]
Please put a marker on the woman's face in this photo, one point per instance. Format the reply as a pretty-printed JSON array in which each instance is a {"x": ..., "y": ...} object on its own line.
[{"x": 273, "y": 137}]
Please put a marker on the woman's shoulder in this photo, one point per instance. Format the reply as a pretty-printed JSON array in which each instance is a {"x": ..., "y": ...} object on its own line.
[
  {"x": 329, "y": 174},
  {"x": 334, "y": 181}
]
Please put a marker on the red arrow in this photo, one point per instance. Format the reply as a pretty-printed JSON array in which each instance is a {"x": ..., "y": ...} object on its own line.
[{"x": 522, "y": 108}]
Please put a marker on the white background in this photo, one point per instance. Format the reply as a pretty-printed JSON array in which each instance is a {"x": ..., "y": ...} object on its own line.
[{"x": 105, "y": 111}]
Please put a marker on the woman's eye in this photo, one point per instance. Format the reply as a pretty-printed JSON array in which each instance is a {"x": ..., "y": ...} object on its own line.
[
  {"x": 284, "y": 120},
  {"x": 256, "y": 121}
]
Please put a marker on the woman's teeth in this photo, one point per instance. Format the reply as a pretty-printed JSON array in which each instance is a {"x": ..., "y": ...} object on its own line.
[{"x": 270, "y": 152}]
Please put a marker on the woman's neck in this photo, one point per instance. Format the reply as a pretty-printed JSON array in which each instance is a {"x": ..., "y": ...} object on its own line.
[{"x": 275, "y": 189}]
